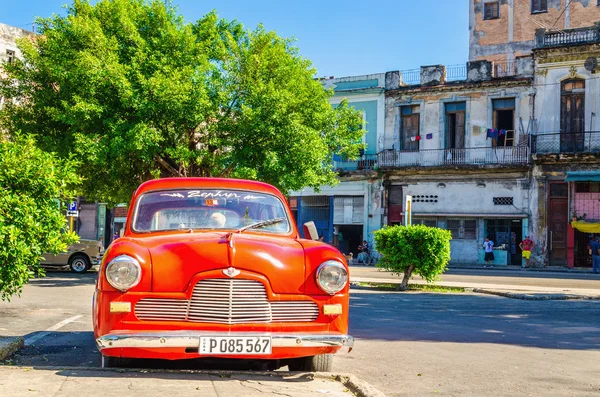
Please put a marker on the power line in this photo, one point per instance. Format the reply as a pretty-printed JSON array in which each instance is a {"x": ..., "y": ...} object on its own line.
[{"x": 563, "y": 11}]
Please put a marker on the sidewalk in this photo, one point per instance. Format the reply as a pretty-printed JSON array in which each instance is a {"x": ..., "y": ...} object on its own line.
[
  {"x": 24, "y": 381},
  {"x": 515, "y": 286},
  {"x": 556, "y": 269}
]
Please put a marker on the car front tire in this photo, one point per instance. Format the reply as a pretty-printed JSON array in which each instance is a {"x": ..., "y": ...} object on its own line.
[
  {"x": 319, "y": 363},
  {"x": 79, "y": 264}
]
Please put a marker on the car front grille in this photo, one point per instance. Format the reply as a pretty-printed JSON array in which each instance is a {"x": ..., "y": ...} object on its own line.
[{"x": 227, "y": 301}]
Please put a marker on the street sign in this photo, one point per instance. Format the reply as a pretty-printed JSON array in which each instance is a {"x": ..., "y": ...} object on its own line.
[
  {"x": 74, "y": 214},
  {"x": 72, "y": 207}
]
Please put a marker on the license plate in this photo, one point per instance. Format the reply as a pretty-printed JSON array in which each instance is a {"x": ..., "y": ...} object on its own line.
[{"x": 235, "y": 345}]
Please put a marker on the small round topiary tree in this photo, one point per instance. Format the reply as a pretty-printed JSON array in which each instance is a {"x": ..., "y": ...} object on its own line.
[{"x": 414, "y": 249}]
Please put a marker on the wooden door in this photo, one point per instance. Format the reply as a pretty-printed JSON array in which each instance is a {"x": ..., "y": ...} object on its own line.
[
  {"x": 410, "y": 129},
  {"x": 572, "y": 116},
  {"x": 460, "y": 131},
  {"x": 558, "y": 218}
]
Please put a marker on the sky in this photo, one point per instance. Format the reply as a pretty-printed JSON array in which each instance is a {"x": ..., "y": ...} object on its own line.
[{"x": 341, "y": 38}]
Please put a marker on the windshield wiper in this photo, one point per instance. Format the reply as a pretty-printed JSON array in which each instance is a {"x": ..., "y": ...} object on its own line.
[{"x": 260, "y": 224}]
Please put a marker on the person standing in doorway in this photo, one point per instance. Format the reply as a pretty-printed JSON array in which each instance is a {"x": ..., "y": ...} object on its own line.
[
  {"x": 595, "y": 248},
  {"x": 488, "y": 245},
  {"x": 526, "y": 246}
]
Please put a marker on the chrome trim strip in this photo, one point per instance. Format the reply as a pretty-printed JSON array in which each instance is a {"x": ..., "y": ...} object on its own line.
[{"x": 185, "y": 339}]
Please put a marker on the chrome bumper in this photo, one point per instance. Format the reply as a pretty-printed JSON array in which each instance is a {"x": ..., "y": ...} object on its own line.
[
  {"x": 96, "y": 260},
  {"x": 191, "y": 339}
]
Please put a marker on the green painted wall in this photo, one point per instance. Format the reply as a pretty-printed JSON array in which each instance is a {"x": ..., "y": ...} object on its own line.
[
  {"x": 370, "y": 110},
  {"x": 353, "y": 85}
]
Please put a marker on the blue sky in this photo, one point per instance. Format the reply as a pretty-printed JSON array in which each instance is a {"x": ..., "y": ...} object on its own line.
[{"x": 341, "y": 38}]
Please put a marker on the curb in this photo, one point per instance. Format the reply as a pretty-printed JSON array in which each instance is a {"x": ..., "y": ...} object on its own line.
[
  {"x": 357, "y": 386},
  {"x": 9, "y": 345},
  {"x": 535, "y": 297}
]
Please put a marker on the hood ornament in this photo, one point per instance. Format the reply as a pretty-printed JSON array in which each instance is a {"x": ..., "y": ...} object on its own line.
[{"x": 231, "y": 272}]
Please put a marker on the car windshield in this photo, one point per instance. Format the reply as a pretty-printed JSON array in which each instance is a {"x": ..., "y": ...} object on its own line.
[{"x": 211, "y": 209}]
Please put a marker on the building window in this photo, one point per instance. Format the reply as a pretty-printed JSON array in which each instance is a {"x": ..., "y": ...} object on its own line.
[
  {"x": 587, "y": 187},
  {"x": 504, "y": 121},
  {"x": 455, "y": 125},
  {"x": 491, "y": 10},
  {"x": 462, "y": 229},
  {"x": 539, "y": 6},
  {"x": 409, "y": 128},
  {"x": 10, "y": 56}
]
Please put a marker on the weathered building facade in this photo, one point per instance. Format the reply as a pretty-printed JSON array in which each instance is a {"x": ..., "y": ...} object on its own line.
[
  {"x": 9, "y": 51},
  {"x": 461, "y": 150},
  {"x": 501, "y": 30},
  {"x": 350, "y": 212},
  {"x": 566, "y": 147}
]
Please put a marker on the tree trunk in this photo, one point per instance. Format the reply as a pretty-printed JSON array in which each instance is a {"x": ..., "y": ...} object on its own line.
[{"x": 407, "y": 273}]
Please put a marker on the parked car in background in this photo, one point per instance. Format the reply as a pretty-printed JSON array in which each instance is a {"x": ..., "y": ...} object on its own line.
[
  {"x": 80, "y": 257},
  {"x": 213, "y": 267}
]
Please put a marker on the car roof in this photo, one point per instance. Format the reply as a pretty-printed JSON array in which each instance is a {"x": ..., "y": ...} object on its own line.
[{"x": 205, "y": 183}]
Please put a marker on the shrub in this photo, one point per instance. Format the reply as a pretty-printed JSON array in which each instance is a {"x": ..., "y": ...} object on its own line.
[
  {"x": 31, "y": 182},
  {"x": 414, "y": 249}
]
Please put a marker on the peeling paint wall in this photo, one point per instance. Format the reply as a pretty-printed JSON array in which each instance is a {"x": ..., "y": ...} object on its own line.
[
  {"x": 513, "y": 33},
  {"x": 479, "y": 114},
  {"x": 8, "y": 37}
]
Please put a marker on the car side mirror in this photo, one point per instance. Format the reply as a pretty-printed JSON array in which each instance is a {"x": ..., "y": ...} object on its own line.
[{"x": 310, "y": 231}]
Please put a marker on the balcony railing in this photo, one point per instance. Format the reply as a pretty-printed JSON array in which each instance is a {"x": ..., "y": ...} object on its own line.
[
  {"x": 456, "y": 72},
  {"x": 411, "y": 77},
  {"x": 452, "y": 157},
  {"x": 504, "y": 69},
  {"x": 569, "y": 37},
  {"x": 566, "y": 142},
  {"x": 364, "y": 162}
]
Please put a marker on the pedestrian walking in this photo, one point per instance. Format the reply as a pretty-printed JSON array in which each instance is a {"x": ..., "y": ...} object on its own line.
[
  {"x": 526, "y": 246},
  {"x": 595, "y": 248},
  {"x": 488, "y": 245}
]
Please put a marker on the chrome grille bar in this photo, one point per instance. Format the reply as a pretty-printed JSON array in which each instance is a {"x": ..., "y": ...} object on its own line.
[{"x": 227, "y": 301}]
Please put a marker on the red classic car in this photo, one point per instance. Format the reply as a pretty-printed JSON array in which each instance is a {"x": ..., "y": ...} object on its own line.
[{"x": 212, "y": 267}]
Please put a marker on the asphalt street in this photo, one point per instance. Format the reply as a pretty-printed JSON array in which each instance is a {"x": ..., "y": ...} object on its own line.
[{"x": 408, "y": 344}]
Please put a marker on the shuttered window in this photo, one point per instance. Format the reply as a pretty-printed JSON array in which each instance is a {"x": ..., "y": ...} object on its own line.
[
  {"x": 491, "y": 10},
  {"x": 462, "y": 229},
  {"x": 348, "y": 210},
  {"x": 539, "y": 6}
]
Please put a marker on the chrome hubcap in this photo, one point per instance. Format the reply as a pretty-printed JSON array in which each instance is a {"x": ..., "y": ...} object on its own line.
[{"x": 79, "y": 265}]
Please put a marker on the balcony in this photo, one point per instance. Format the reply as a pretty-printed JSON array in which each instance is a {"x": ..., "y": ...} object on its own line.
[
  {"x": 504, "y": 69},
  {"x": 365, "y": 162},
  {"x": 587, "y": 35},
  {"x": 454, "y": 157},
  {"x": 566, "y": 143}
]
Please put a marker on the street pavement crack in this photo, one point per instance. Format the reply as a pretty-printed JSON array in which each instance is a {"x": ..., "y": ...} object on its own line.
[{"x": 243, "y": 383}]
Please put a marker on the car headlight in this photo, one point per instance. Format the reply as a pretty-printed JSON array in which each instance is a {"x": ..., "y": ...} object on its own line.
[
  {"x": 332, "y": 277},
  {"x": 123, "y": 272}
]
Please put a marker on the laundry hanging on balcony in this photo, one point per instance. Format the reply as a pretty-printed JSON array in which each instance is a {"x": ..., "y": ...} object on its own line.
[
  {"x": 492, "y": 133},
  {"x": 586, "y": 227},
  {"x": 415, "y": 138}
]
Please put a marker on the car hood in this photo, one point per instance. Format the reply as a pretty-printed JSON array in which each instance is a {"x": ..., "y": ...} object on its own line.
[{"x": 177, "y": 258}]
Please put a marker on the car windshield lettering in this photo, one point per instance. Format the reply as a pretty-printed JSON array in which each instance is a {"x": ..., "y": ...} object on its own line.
[{"x": 209, "y": 209}]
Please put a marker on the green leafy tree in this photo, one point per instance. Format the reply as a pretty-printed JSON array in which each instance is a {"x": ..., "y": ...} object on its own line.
[
  {"x": 32, "y": 183},
  {"x": 417, "y": 249},
  {"x": 135, "y": 93}
]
